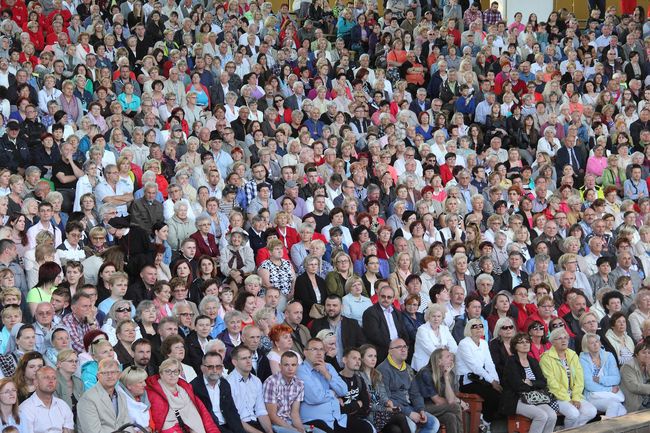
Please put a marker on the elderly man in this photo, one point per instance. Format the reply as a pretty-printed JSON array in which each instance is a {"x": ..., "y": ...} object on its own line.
[
  {"x": 44, "y": 315},
  {"x": 102, "y": 409},
  {"x": 147, "y": 211},
  {"x": 112, "y": 191},
  {"x": 624, "y": 269},
  {"x": 42, "y": 412}
]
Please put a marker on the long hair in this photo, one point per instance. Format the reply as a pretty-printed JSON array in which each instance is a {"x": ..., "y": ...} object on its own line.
[
  {"x": 23, "y": 235},
  {"x": 437, "y": 373},
  {"x": 375, "y": 375},
  {"x": 14, "y": 408},
  {"x": 19, "y": 375}
]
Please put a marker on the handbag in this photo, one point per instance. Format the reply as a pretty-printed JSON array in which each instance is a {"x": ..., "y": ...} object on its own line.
[
  {"x": 535, "y": 398},
  {"x": 380, "y": 418},
  {"x": 317, "y": 311}
]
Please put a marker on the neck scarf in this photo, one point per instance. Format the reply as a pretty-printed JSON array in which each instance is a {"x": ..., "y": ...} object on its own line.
[{"x": 392, "y": 362}]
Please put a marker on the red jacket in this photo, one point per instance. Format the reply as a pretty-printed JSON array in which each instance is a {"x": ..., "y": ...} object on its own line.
[
  {"x": 202, "y": 248},
  {"x": 160, "y": 406},
  {"x": 292, "y": 237}
]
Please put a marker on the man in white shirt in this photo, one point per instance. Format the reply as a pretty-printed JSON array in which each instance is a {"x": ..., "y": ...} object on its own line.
[
  {"x": 249, "y": 392},
  {"x": 175, "y": 195},
  {"x": 45, "y": 215},
  {"x": 43, "y": 412},
  {"x": 113, "y": 191}
]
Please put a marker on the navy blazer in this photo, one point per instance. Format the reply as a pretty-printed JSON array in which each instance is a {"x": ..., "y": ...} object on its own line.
[{"x": 226, "y": 403}]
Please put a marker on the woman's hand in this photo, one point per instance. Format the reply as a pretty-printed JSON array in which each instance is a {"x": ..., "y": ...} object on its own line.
[{"x": 497, "y": 386}]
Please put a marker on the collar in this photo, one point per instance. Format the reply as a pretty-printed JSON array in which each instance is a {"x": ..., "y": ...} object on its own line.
[
  {"x": 387, "y": 310},
  {"x": 393, "y": 364}
]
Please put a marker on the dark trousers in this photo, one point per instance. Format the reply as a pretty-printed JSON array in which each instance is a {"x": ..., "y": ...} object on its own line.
[
  {"x": 354, "y": 425},
  {"x": 449, "y": 415},
  {"x": 490, "y": 396}
]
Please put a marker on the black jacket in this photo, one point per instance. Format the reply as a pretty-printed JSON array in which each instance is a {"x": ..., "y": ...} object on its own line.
[
  {"x": 226, "y": 403},
  {"x": 513, "y": 383},
  {"x": 305, "y": 294},
  {"x": 351, "y": 333},
  {"x": 376, "y": 329},
  {"x": 13, "y": 155},
  {"x": 506, "y": 280},
  {"x": 193, "y": 352}
]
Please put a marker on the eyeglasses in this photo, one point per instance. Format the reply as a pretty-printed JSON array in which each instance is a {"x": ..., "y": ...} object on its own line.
[
  {"x": 213, "y": 367},
  {"x": 401, "y": 347},
  {"x": 186, "y": 314},
  {"x": 477, "y": 326},
  {"x": 507, "y": 327},
  {"x": 122, "y": 310},
  {"x": 523, "y": 341},
  {"x": 109, "y": 373},
  {"x": 169, "y": 372}
]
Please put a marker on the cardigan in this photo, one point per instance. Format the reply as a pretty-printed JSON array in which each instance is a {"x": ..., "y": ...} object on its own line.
[
  {"x": 610, "y": 374},
  {"x": 634, "y": 383},
  {"x": 426, "y": 341}
]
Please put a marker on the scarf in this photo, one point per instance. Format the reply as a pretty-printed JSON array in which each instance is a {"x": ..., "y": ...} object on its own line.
[
  {"x": 236, "y": 261},
  {"x": 181, "y": 402},
  {"x": 392, "y": 362}
]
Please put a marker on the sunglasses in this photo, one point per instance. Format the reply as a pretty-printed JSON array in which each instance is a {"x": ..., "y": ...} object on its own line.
[
  {"x": 477, "y": 326},
  {"x": 537, "y": 328},
  {"x": 508, "y": 327},
  {"x": 123, "y": 310},
  {"x": 557, "y": 325}
]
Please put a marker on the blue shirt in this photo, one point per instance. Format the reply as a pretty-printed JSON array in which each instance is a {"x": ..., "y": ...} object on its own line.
[
  {"x": 635, "y": 191},
  {"x": 319, "y": 402}
]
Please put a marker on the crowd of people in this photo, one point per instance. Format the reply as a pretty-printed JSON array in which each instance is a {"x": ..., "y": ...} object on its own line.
[{"x": 221, "y": 217}]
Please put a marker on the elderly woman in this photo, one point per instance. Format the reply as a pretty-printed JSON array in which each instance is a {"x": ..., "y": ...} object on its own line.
[
  {"x": 180, "y": 225},
  {"x": 500, "y": 346},
  {"x": 209, "y": 306},
  {"x": 431, "y": 336},
  {"x": 172, "y": 399},
  {"x": 635, "y": 378},
  {"x": 237, "y": 259},
  {"x": 565, "y": 377},
  {"x": 617, "y": 336},
  {"x": 206, "y": 243},
  {"x": 231, "y": 336},
  {"x": 120, "y": 310},
  {"x": 602, "y": 378},
  {"x": 640, "y": 314},
  {"x": 569, "y": 262},
  {"x": 523, "y": 375},
  {"x": 301, "y": 249},
  {"x": 476, "y": 369},
  {"x": 132, "y": 386}
]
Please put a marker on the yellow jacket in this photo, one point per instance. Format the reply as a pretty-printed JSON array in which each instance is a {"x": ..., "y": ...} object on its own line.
[{"x": 556, "y": 376}]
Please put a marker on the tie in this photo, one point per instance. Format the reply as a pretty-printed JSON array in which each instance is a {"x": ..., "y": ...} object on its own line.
[{"x": 575, "y": 163}]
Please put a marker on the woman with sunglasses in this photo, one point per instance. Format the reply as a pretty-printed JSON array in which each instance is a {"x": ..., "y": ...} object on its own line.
[
  {"x": 476, "y": 370},
  {"x": 538, "y": 342},
  {"x": 500, "y": 345},
  {"x": 565, "y": 378},
  {"x": 522, "y": 374}
]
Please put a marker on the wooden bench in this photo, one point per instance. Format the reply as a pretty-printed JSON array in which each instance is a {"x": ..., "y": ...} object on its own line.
[
  {"x": 475, "y": 403},
  {"x": 518, "y": 424}
]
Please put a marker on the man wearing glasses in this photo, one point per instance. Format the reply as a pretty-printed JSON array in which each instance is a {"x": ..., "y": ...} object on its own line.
[
  {"x": 215, "y": 393},
  {"x": 102, "y": 408},
  {"x": 397, "y": 376}
]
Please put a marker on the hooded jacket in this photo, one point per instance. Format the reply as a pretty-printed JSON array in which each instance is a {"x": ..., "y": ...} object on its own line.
[{"x": 556, "y": 376}]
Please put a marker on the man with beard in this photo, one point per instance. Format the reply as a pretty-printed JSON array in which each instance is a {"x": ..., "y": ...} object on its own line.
[
  {"x": 348, "y": 332},
  {"x": 356, "y": 403},
  {"x": 142, "y": 355},
  {"x": 215, "y": 393}
]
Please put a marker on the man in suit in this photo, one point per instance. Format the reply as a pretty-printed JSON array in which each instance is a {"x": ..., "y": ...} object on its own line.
[
  {"x": 571, "y": 155},
  {"x": 382, "y": 323},
  {"x": 219, "y": 90},
  {"x": 294, "y": 102},
  {"x": 351, "y": 332},
  {"x": 514, "y": 276},
  {"x": 147, "y": 211},
  {"x": 97, "y": 407},
  {"x": 215, "y": 393},
  {"x": 420, "y": 103}
]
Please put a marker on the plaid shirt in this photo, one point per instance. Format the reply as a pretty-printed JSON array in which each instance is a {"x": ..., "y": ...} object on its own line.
[
  {"x": 491, "y": 17},
  {"x": 77, "y": 330},
  {"x": 470, "y": 17},
  {"x": 277, "y": 391}
]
